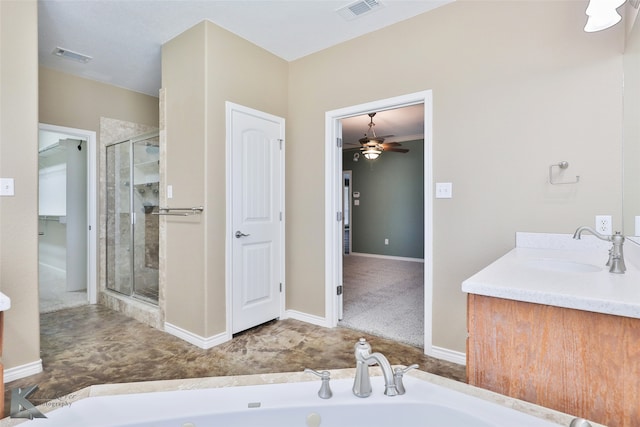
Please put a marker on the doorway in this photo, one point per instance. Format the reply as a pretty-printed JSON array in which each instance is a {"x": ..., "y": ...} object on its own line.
[
  {"x": 334, "y": 203},
  {"x": 67, "y": 244},
  {"x": 383, "y": 273}
]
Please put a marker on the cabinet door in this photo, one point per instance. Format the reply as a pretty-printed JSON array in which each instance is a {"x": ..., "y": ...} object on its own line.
[{"x": 582, "y": 363}]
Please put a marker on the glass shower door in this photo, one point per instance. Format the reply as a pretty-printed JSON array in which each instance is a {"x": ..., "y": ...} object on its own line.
[
  {"x": 146, "y": 198},
  {"x": 132, "y": 198},
  {"x": 118, "y": 218}
]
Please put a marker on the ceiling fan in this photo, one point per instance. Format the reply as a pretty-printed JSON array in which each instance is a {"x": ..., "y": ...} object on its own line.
[{"x": 372, "y": 145}]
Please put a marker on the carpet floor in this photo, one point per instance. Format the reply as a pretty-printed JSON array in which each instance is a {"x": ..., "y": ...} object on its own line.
[
  {"x": 384, "y": 297},
  {"x": 53, "y": 295}
]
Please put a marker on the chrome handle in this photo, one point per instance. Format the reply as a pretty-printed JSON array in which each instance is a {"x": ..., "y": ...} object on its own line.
[
  {"x": 397, "y": 377},
  {"x": 240, "y": 234},
  {"x": 325, "y": 388}
]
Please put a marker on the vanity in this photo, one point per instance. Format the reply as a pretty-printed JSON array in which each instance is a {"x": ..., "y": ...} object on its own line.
[
  {"x": 549, "y": 324},
  {"x": 5, "y": 304}
]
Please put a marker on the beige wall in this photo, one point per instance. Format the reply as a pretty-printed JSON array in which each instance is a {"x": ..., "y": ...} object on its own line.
[
  {"x": 19, "y": 160},
  {"x": 71, "y": 101},
  {"x": 517, "y": 86},
  {"x": 201, "y": 69},
  {"x": 632, "y": 130}
]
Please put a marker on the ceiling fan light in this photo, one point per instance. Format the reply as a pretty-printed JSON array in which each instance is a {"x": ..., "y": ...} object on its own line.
[{"x": 371, "y": 153}]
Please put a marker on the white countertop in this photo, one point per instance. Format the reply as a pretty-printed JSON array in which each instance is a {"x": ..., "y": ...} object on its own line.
[
  {"x": 518, "y": 276},
  {"x": 5, "y": 302}
]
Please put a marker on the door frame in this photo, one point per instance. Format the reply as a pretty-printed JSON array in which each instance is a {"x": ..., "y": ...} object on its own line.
[
  {"x": 229, "y": 239},
  {"x": 333, "y": 202},
  {"x": 92, "y": 202}
]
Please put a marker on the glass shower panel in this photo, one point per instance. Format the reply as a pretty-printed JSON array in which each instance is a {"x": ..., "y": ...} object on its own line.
[
  {"x": 118, "y": 218},
  {"x": 146, "y": 198}
]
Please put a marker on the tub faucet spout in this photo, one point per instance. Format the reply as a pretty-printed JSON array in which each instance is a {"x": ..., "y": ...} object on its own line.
[
  {"x": 616, "y": 254},
  {"x": 364, "y": 358}
]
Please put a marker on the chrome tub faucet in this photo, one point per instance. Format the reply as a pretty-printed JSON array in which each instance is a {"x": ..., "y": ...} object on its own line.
[
  {"x": 616, "y": 255},
  {"x": 364, "y": 359}
]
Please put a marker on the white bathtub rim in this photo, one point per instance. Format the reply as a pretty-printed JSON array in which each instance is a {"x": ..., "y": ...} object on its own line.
[{"x": 290, "y": 377}]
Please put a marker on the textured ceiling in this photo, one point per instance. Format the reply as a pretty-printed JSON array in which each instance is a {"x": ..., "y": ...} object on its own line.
[{"x": 124, "y": 37}]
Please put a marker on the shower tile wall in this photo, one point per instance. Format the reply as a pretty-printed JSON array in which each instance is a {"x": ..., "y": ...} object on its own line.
[
  {"x": 113, "y": 130},
  {"x": 146, "y": 232}
]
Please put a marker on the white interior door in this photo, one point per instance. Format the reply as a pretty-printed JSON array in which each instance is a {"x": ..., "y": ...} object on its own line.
[{"x": 257, "y": 248}]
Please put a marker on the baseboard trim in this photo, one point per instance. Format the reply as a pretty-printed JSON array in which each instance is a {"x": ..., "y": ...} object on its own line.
[
  {"x": 449, "y": 355},
  {"x": 22, "y": 371},
  {"x": 308, "y": 318},
  {"x": 395, "y": 258},
  {"x": 197, "y": 340}
]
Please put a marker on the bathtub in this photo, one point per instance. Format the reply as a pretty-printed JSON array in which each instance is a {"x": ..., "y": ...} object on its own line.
[{"x": 295, "y": 404}]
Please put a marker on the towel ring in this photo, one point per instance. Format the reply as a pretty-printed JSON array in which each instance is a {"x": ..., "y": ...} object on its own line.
[{"x": 561, "y": 165}]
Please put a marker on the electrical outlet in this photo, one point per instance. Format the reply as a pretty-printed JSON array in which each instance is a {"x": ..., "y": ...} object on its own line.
[
  {"x": 603, "y": 224},
  {"x": 444, "y": 190},
  {"x": 386, "y": 241},
  {"x": 6, "y": 187}
]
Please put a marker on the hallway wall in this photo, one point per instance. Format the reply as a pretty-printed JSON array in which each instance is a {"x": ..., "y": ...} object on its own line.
[{"x": 19, "y": 160}]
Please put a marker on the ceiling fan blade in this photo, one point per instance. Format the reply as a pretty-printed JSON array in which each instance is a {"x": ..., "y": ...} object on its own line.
[
  {"x": 397, "y": 150},
  {"x": 391, "y": 144}
]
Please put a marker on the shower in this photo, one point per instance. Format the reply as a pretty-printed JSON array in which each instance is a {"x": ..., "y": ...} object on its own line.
[{"x": 132, "y": 227}]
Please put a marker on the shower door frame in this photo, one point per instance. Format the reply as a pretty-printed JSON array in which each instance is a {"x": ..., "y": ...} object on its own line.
[{"x": 132, "y": 220}]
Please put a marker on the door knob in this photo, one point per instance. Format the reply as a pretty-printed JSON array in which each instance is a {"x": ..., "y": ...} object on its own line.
[{"x": 240, "y": 234}]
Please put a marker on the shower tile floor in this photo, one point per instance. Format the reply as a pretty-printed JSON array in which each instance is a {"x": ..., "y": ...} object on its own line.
[{"x": 92, "y": 344}]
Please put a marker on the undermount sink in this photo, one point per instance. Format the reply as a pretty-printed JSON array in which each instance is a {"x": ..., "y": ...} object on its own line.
[{"x": 563, "y": 265}]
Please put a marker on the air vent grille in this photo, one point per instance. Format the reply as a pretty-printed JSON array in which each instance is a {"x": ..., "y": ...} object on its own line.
[
  {"x": 358, "y": 8},
  {"x": 69, "y": 54}
]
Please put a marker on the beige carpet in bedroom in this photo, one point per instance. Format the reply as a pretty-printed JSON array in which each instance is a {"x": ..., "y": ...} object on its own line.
[{"x": 384, "y": 297}]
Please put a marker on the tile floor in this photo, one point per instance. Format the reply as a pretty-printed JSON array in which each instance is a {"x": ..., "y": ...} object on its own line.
[{"x": 91, "y": 344}]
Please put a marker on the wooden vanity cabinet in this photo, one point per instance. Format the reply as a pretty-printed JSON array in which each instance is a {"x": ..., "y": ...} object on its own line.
[
  {"x": 578, "y": 362},
  {"x": 1, "y": 365}
]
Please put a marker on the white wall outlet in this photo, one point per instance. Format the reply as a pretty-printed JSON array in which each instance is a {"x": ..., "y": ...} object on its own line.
[
  {"x": 169, "y": 191},
  {"x": 603, "y": 224},
  {"x": 444, "y": 190},
  {"x": 386, "y": 241}
]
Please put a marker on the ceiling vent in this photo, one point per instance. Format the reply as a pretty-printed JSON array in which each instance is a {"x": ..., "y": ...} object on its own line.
[
  {"x": 358, "y": 8},
  {"x": 69, "y": 54}
]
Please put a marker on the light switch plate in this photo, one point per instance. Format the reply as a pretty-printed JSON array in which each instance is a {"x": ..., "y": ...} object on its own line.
[
  {"x": 7, "y": 187},
  {"x": 444, "y": 190}
]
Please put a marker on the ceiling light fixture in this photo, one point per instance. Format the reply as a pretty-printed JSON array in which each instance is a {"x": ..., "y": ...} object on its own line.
[
  {"x": 602, "y": 14},
  {"x": 372, "y": 151},
  {"x": 69, "y": 54},
  {"x": 371, "y": 145}
]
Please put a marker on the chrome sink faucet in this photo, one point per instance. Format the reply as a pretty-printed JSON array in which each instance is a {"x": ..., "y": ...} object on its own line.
[
  {"x": 616, "y": 255},
  {"x": 364, "y": 358}
]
